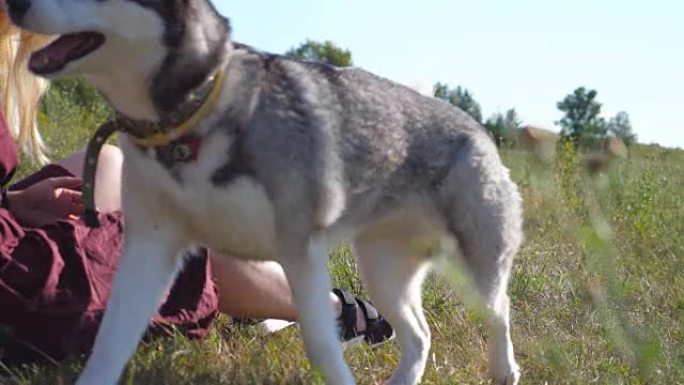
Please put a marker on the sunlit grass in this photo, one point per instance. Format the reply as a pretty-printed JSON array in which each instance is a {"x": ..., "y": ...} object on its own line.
[{"x": 597, "y": 289}]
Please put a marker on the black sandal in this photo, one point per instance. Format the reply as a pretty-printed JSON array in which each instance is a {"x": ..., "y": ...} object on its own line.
[{"x": 378, "y": 330}]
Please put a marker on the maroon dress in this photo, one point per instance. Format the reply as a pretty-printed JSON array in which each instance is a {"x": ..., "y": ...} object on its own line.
[{"x": 55, "y": 280}]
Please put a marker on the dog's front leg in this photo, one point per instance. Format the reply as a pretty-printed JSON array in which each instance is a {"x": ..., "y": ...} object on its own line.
[
  {"x": 310, "y": 283},
  {"x": 146, "y": 268}
]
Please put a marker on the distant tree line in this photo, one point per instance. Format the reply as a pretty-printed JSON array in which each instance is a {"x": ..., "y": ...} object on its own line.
[
  {"x": 581, "y": 123},
  {"x": 326, "y": 52}
]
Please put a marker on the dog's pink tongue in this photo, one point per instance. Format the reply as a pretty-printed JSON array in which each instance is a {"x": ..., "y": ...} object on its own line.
[{"x": 55, "y": 54}]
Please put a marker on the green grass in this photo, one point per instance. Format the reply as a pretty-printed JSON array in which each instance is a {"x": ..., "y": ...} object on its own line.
[{"x": 597, "y": 289}]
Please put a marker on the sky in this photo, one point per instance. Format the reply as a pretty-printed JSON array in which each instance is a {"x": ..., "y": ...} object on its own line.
[{"x": 525, "y": 54}]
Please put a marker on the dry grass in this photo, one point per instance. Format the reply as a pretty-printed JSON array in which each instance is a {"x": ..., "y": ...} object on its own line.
[{"x": 597, "y": 291}]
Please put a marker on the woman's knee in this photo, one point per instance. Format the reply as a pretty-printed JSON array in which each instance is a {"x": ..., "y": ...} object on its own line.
[
  {"x": 108, "y": 179},
  {"x": 111, "y": 159},
  {"x": 107, "y": 176}
]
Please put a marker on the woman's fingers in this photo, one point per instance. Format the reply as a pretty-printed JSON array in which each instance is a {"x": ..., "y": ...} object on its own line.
[
  {"x": 68, "y": 203},
  {"x": 67, "y": 182},
  {"x": 76, "y": 197}
]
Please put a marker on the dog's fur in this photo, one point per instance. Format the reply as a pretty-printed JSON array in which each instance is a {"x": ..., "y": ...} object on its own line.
[{"x": 295, "y": 156}]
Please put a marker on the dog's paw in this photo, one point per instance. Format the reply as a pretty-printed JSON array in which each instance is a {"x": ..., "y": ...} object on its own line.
[{"x": 510, "y": 375}]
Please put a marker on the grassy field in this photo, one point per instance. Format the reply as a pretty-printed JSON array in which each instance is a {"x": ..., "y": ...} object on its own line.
[{"x": 597, "y": 289}]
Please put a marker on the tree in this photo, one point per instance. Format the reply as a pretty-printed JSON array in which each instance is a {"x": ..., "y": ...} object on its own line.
[
  {"x": 502, "y": 127},
  {"x": 459, "y": 97},
  {"x": 326, "y": 52},
  {"x": 621, "y": 127},
  {"x": 581, "y": 123}
]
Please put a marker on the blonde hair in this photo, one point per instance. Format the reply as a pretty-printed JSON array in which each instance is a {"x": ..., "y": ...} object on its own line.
[{"x": 20, "y": 91}]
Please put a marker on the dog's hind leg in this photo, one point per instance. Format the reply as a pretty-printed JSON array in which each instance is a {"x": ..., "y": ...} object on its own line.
[
  {"x": 484, "y": 214},
  {"x": 393, "y": 277},
  {"x": 307, "y": 271},
  {"x": 146, "y": 268}
]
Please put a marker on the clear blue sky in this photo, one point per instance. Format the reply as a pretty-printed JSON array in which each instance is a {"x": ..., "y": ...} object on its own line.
[{"x": 526, "y": 54}]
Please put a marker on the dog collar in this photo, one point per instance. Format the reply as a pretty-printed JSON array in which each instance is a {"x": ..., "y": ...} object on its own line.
[
  {"x": 157, "y": 134},
  {"x": 146, "y": 134}
]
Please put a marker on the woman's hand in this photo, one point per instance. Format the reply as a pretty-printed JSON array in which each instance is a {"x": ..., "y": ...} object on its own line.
[{"x": 47, "y": 201}]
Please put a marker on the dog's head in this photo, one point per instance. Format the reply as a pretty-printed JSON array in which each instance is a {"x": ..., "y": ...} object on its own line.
[{"x": 166, "y": 46}]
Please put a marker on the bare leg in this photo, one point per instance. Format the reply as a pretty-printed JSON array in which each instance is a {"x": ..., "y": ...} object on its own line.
[
  {"x": 252, "y": 288},
  {"x": 107, "y": 178},
  {"x": 259, "y": 290}
]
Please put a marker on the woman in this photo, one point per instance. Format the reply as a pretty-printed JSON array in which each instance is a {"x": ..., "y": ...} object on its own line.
[{"x": 55, "y": 273}]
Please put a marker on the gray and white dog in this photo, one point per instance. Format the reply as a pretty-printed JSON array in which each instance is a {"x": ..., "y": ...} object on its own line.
[{"x": 293, "y": 157}]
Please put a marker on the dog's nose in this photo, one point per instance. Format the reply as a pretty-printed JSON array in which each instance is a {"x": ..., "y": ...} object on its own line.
[{"x": 18, "y": 8}]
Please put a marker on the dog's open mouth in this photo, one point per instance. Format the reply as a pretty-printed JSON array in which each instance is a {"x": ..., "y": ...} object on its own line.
[{"x": 64, "y": 49}]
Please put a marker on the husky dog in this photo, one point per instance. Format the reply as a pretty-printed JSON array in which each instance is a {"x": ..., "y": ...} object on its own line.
[{"x": 292, "y": 157}]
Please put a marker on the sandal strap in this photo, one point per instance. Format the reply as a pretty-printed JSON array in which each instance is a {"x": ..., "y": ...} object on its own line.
[
  {"x": 373, "y": 319},
  {"x": 347, "y": 319}
]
